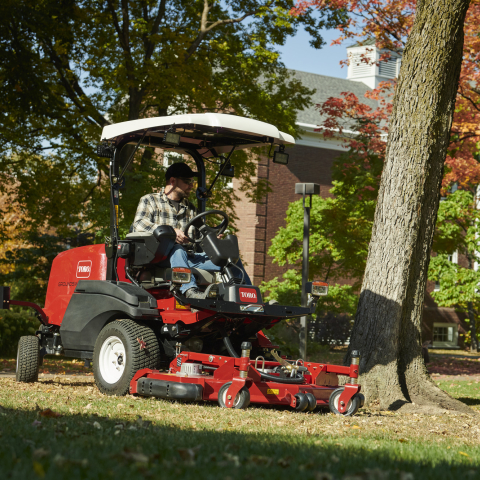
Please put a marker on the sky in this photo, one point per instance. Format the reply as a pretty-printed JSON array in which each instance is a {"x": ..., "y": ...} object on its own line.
[{"x": 297, "y": 54}]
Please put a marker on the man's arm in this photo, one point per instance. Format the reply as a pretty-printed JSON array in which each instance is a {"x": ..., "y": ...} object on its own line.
[{"x": 144, "y": 219}]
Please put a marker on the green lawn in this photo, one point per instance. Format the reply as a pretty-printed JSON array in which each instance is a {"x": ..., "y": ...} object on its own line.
[{"x": 107, "y": 437}]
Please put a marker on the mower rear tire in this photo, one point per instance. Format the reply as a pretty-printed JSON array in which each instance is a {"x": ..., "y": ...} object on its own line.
[
  {"x": 352, "y": 407},
  {"x": 122, "y": 348},
  {"x": 28, "y": 357},
  {"x": 242, "y": 399}
]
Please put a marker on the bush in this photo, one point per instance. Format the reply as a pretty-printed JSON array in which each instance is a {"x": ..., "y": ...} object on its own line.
[
  {"x": 14, "y": 325},
  {"x": 331, "y": 329}
]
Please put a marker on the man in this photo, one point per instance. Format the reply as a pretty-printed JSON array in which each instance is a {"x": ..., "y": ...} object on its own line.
[{"x": 171, "y": 207}]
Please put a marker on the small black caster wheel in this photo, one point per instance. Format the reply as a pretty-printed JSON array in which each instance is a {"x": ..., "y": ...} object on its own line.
[
  {"x": 352, "y": 407},
  {"x": 242, "y": 399},
  {"x": 312, "y": 402},
  {"x": 302, "y": 402}
]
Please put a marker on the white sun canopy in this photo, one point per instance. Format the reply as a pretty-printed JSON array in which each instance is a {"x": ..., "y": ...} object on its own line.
[{"x": 201, "y": 131}]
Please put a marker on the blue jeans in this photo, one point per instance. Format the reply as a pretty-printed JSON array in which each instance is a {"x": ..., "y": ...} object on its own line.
[{"x": 179, "y": 258}]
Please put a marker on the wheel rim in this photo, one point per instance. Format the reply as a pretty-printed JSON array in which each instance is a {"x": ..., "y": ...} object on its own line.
[
  {"x": 112, "y": 359},
  {"x": 235, "y": 402},
  {"x": 336, "y": 401}
]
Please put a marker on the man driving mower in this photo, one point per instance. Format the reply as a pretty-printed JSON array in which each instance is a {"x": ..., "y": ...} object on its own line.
[{"x": 171, "y": 207}]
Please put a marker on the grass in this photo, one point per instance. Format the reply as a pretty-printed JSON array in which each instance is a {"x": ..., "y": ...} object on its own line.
[{"x": 88, "y": 435}]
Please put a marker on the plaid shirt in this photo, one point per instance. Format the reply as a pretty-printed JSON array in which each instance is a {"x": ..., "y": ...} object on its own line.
[{"x": 156, "y": 209}]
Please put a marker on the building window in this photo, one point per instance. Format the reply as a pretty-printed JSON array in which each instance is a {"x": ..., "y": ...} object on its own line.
[
  {"x": 437, "y": 286},
  {"x": 445, "y": 335}
]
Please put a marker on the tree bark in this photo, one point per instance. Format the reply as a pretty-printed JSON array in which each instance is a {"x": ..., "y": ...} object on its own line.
[{"x": 387, "y": 328}]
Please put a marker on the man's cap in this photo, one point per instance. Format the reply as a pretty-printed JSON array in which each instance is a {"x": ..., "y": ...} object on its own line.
[{"x": 180, "y": 170}]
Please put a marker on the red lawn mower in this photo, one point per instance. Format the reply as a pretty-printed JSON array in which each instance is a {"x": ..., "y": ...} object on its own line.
[{"x": 112, "y": 305}]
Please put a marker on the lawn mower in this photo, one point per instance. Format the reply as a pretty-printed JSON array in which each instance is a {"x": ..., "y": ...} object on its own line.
[{"x": 113, "y": 305}]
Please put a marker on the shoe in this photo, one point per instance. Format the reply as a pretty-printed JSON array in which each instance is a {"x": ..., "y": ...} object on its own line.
[{"x": 194, "y": 293}]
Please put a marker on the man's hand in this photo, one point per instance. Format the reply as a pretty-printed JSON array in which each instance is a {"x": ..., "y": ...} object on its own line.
[{"x": 182, "y": 239}]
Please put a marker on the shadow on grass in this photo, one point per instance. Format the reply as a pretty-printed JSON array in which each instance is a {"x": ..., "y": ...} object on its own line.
[
  {"x": 469, "y": 401},
  {"x": 82, "y": 446}
]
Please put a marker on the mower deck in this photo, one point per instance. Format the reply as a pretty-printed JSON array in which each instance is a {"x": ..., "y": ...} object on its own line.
[{"x": 197, "y": 376}]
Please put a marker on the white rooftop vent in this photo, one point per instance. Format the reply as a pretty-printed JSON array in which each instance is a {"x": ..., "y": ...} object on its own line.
[{"x": 368, "y": 72}]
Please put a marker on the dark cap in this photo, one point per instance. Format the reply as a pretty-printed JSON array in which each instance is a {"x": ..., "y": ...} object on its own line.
[{"x": 179, "y": 170}]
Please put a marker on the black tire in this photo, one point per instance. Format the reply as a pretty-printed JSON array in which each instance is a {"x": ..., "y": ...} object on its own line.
[
  {"x": 242, "y": 400},
  {"x": 28, "y": 356},
  {"x": 302, "y": 402},
  {"x": 353, "y": 405},
  {"x": 113, "y": 370},
  {"x": 312, "y": 401}
]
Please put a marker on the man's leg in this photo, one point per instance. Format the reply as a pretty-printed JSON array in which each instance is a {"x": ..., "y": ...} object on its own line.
[
  {"x": 201, "y": 260},
  {"x": 180, "y": 259}
]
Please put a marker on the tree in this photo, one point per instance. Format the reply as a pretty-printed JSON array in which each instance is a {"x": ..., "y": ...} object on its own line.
[
  {"x": 70, "y": 67},
  {"x": 458, "y": 230},
  {"x": 388, "y": 322}
]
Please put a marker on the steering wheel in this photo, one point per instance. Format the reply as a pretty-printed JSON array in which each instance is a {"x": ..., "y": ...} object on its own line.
[{"x": 199, "y": 224}]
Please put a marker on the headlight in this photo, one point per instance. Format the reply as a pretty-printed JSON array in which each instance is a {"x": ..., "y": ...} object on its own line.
[
  {"x": 181, "y": 275},
  {"x": 317, "y": 289}
]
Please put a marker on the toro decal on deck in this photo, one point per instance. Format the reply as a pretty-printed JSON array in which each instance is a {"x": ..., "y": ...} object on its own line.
[
  {"x": 84, "y": 267},
  {"x": 248, "y": 295}
]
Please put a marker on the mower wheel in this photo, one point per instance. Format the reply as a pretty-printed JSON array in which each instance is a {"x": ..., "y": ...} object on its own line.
[
  {"x": 28, "y": 356},
  {"x": 122, "y": 348},
  {"x": 302, "y": 402},
  {"x": 352, "y": 407},
  {"x": 242, "y": 399},
  {"x": 312, "y": 401}
]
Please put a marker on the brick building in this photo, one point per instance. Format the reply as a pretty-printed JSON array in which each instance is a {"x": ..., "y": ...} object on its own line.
[{"x": 310, "y": 161}]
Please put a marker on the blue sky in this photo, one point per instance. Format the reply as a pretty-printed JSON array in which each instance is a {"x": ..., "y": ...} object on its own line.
[{"x": 297, "y": 54}]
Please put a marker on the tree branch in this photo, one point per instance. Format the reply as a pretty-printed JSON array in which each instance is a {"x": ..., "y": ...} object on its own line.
[
  {"x": 204, "y": 29},
  {"x": 73, "y": 88}
]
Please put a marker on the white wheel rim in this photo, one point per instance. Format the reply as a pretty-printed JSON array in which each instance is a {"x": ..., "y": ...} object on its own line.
[
  {"x": 112, "y": 359},
  {"x": 235, "y": 402},
  {"x": 336, "y": 401}
]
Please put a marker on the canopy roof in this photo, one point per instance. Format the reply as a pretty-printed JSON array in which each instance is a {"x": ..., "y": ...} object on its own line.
[{"x": 208, "y": 133}]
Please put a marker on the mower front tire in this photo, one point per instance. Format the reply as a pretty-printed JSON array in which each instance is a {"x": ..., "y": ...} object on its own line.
[
  {"x": 28, "y": 358},
  {"x": 242, "y": 399},
  {"x": 352, "y": 407},
  {"x": 122, "y": 348}
]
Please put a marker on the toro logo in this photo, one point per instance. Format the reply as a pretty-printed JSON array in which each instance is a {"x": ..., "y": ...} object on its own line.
[
  {"x": 248, "y": 295},
  {"x": 84, "y": 268}
]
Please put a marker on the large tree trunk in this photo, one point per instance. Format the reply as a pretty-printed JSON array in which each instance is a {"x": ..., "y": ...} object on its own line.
[{"x": 387, "y": 328}]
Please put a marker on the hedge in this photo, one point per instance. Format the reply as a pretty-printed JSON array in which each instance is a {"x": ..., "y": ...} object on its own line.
[{"x": 14, "y": 325}]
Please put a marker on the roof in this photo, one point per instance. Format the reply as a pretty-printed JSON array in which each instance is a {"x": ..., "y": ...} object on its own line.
[
  {"x": 201, "y": 131},
  {"x": 327, "y": 87}
]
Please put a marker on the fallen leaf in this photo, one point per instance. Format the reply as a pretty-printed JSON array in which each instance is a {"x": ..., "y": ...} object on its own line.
[
  {"x": 49, "y": 414},
  {"x": 137, "y": 457},
  {"x": 97, "y": 425},
  {"x": 189, "y": 454},
  {"x": 355, "y": 426},
  {"x": 261, "y": 460},
  {"x": 88, "y": 406},
  {"x": 40, "y": 453},
  {"x": 38, "y": 469},
  {"x": 285, "y": 462},
  {"x": 464, "y": 454}
]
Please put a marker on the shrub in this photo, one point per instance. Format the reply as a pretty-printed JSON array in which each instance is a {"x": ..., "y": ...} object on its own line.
[{"x": 13, "y": 325}]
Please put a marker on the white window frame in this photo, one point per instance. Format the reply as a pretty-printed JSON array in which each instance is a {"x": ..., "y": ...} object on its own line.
[{"x": 448, "y": 343}]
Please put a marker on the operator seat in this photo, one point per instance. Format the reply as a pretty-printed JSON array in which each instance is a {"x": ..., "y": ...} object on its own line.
[{"x": 149, "y": 250}]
